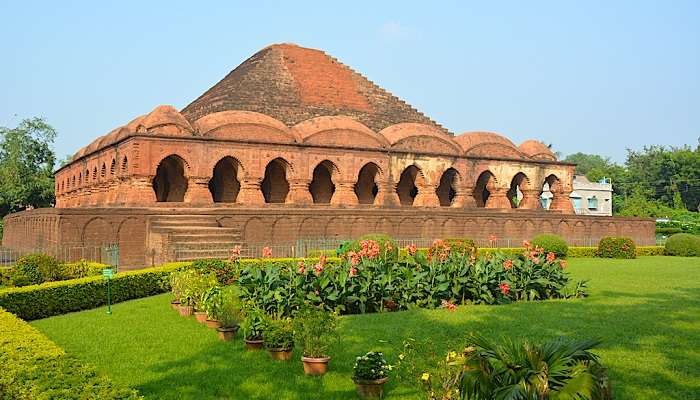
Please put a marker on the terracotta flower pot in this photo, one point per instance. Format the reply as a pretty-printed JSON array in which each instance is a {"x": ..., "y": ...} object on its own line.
[
  {"x": 315, "y": 366},
  {"x": 175, "y": 305},
  {"x": 253, "y": 344},
  {"x": 370, "y": 389},
  {"x": 186, "y": 311},
  {"x": 280, "y": 354},
  {"x": 213, "y": 324},
  {"x": 201, "y": 316},
  {"x": 227, "y": 334}
]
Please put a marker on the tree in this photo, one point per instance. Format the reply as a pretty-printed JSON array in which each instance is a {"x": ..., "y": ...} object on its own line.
[
  {"x": 587, "y": 162},
  {"x": 26, "y": 166}
]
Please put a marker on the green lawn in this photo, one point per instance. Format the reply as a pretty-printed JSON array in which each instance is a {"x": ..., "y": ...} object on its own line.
[{"x": 646, "y": 310}]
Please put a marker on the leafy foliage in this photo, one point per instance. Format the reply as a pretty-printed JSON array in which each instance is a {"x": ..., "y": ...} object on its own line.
[
  {"x": 231, "y": 309},
  {"x": 279, "y": 334},
  {"x": 551, "y": 243},
  {"x": 33, "y": 367},
  {"x": 683, "y": 244},
  {"x": 387, "y": 246},
  {"x": 33, "y": 269},
  {"x": 253, "y": 322},
  {"x": 561, "y": 368},
  {"x": 26, "y": 166},
  {"x": 314, "y": 331},
  {"x": 617, "y": 247}
]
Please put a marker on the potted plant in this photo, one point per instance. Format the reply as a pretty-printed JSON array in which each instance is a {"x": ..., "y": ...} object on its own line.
[
  {"x": 279, "y": 338},
  {"x": 200, "y": 285},
  {"x": 229, "y": 313},
  {"x": 176, "y": 289},
  {"x": 370, "y": 375},
  {"x": 314, "y": 330},
  {"x": 253, "y": 326},
  {"x": 211, "y": 305},
  {"x": 187, "y": 285}
]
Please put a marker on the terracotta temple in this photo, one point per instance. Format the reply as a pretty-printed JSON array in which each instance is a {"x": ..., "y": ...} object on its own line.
[{"x": 294, "y": 145}]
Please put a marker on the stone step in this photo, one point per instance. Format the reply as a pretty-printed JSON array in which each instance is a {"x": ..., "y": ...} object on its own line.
[
  {"x": 205, "y": 237},
  {"x": 208, "y": 245},
  {"x": 166, "y": 223},
  {"x": 195, "y": 230}
]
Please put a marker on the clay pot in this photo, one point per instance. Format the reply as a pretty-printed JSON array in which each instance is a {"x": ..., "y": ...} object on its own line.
[
  {"x": 213, "y": 324},
  {"x": 227, "y": 334},
  {"x": 175, "y": 305},
  {"x": 315, "y": 366},
  {"x": 280, "y": 354},
  {"x": 370, "y": 389},
  {"x": 200, "y": 316},
  {"x": 186, "y": 311},
  {"x": 253, "y": 344}
]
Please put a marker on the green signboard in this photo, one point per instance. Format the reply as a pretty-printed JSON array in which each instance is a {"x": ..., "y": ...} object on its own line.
[{"x": 107, "y": 274}]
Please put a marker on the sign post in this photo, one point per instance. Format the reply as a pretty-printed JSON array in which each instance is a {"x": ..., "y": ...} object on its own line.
[{"x": 107, "y": 274}]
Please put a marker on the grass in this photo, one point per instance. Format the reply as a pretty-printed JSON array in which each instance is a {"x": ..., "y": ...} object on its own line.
[{"x": 647, "y": 311}]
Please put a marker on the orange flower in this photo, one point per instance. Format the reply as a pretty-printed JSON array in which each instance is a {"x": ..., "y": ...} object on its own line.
[
  {"x": 411, "y": 249},
  {"x": 551, "y": 257},
  {"x": 266, "y": 252},
  {"x": 563, "y": 264},
  {"x": 302, "y": 267},
  {"x": 507, "y": 264},
  {"x": 526, "y": 244},
  {"x": 505, "y": 288},
  {"x": 492, "y": 238},
  {"x": 449, "y": 306},
  {"x": 318, "y": 268},
  {"x": 353, "y": 272}
]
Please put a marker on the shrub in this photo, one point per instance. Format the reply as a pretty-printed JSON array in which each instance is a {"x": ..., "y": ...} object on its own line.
[
  {"x": 314, "y": 330},
  {"x": 370, "y": 367},
  {"x": 387, "y": 246},
  {"x": 33, "y": 367},
  {"x": 35, "y": 269},
  {"x": 56, "y": 298},
  {"x": 279, "y": 334},
  {"x": 617, "y": 247},
  {"x": 650, "y": 251},
  {"x": 683, "y": 244},
  {"x": 83, "y": 268},
  {"x": 319, "y": 253},
  {"x": 230, "y": 309},
  {"x": 582, "y": 252},
  {"x": 221, "y": 269},
  {"x": 551, "y": 243},
  {"x": 563, "y": 365},
  {"x": 511, "y": 251}
]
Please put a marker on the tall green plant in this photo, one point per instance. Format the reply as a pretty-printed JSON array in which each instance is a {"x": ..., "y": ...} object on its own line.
[
  {"x": 230, "y": 310},
  {"x": 314, "y": 331}
]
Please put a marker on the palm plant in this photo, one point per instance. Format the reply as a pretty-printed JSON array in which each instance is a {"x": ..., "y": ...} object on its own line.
[{"x": 559, "y": 369}]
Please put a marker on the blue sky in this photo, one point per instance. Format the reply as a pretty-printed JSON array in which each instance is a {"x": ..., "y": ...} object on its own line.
[{"x": 590, "y": 76}]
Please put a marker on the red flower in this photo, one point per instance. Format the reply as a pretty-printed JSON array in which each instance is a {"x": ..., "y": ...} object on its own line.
[
  {"x": 507, "y": 264},
  {"x": 302, "y": 267},
  {"x": 235, "y": 253},
  {"x": 505, "y": 288},
  {"x": 411, "y": 249},
  {"x": 266, "y": 252},
  {"x": 526, "y": 244},
  {"x": 551, "y": 257},
  {"x": 353, "y": 272},
  {"x": 449, "y": 306},
  {"x": 318, "y": 268}
]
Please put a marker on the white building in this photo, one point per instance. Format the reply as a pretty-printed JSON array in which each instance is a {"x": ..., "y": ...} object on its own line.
[{"x": 590, "y": 198}]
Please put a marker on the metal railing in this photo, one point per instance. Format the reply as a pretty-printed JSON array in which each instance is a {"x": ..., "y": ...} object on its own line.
[{"x": 106, "y": 254}]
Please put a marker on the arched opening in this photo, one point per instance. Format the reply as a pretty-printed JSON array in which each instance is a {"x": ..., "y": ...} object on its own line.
[
  {"x": 366, "y": 188},
  {"x": 94, "y": 173},
  {"x": 322, "y": 187},
  {"x": 447, "y": 191},
  {"x": 549, "y": 189},
  {"x": 170, "y": 183},
  {"x": 80, "y": 179},
  {"x": 103, "y": 171},
  {"x": 481, "y": 189},
  {"x": 224, "y": 184},
  {"x": 113, "y": 167},
  {"x": 125, "y": 165},
  {"x": 515, "y": 193},
  {"x": 86, "y": 177},
  {"x": 406, "y": 188},
  {"x": 275, "y": 185}
]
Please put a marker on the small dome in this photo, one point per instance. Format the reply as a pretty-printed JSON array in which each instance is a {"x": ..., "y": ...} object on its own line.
[
  {"x": 537, "y": 150},
  {"x": 338, "y": 130},
  {"x": 163, "y": 116},
  {"x": 472, "y": 139},
  {"x": 420, "y": 138}
]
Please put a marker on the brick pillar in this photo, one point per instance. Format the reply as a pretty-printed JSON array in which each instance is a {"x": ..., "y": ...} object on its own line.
[
  {"x": 140, "y": 191},
  {"x": 386, "y": 196},
  {"x": 198, "y": 190},
  {"x": 464, "y": 197},
  {"x": 498, "y": 199},
  {"x": 426, "y": 196},
  {"x": 530, "y": 200},
  {"x": 299, "y": 192},
  {"x": 250, "y": 193},
  {"x": 562, "y": 202},
  {"x": 344, "y": 194}
]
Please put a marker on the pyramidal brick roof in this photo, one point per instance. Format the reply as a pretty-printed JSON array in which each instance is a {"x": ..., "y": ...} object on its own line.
[{"x": 293, "y": 84}]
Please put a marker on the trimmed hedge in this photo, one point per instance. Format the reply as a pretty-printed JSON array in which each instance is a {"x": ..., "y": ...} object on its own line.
[
  {"x": 650, "y": 251},
  {"x": 33, "y": 367},
  {"x": 61, "y": 297},
  {"x": 683, "y": 244},
  {"x": 617, "y": 247},
  {"x": 551, "y": 243}
]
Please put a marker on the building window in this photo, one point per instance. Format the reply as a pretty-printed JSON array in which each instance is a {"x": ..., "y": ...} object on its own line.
[
  {"x": 577, "y": 202},
  {"x": 593, "y": 203}
]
